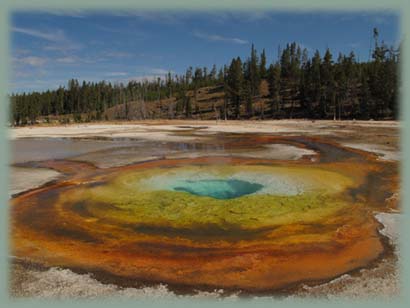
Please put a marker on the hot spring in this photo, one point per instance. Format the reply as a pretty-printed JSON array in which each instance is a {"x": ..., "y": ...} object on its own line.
[{"x": 214, "y": 222}]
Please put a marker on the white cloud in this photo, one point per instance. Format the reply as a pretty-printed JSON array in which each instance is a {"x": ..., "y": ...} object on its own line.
[
  {"x": 231, "y": 17},
  {"x": 144, "y": 74},
  {"x": 21, "y": 74},
  {"x": 219, "y": 38},
  {"x": 36, "y": 85},
  {"x": 152, "y": 16},
  {"x": 63, "y": 47},
  {"x": 118, "y": 54},
  {"x": 68, "y": 13},
  {"x": 116, "y": 74},
  {"x": 66, "y": 60},
  {"x": 72, "y": 59},
  {"x": 55, "y": 36},
  {"x": 32, "y": 60},
  {"x": 152, "y": 71},
  {"x": 21, "y": 51},
  {"x": 142, "y": 78},
  {"x": 158, "y": 71},
  {"x": 256, "y": 16},
  {"x": 180, "y": 17}
]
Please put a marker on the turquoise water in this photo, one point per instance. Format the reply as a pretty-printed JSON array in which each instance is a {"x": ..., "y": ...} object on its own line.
[{"x": 218, "y": 189}]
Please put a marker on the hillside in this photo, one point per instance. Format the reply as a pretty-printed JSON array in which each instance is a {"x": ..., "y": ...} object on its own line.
[
  {"x": 295, "y": 86},
  {"x": 208, "y": 105}
]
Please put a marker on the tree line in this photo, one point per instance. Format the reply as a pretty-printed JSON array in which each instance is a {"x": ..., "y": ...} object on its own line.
[{"x": 293, "y": 86}]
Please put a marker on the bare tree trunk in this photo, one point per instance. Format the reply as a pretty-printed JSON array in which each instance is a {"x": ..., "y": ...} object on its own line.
[{"x": 159, "y": 100}]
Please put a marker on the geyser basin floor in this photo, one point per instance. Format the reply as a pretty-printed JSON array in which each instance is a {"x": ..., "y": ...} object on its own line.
[{"x": 311, "y": 221}]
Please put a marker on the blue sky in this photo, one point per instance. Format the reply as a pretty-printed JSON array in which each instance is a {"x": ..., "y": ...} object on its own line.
[{"x": 48, "y": 48}]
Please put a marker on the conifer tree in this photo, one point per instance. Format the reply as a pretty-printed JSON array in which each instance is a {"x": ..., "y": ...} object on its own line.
[
  {"x": 262, "y": 69},
  {"x": 274, "y": 82},
  {"x": 254, "y": 74},
  {"x": 235, "y": 84}
]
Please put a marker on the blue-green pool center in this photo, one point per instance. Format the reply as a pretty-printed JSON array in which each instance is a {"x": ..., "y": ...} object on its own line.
[{"x": 218, "y": 189}]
